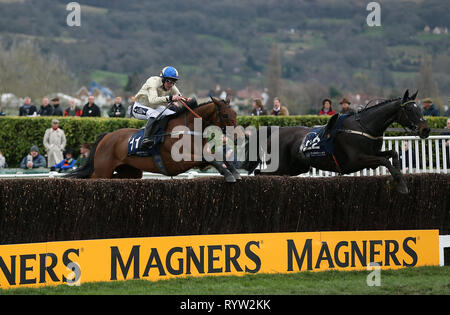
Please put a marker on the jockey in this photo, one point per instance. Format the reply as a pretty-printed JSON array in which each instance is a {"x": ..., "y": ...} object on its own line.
[{"x": 160, "y": 92}]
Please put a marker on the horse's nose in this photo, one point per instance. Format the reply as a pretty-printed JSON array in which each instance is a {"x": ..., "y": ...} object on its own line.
[{"x": 424, "y": 132}]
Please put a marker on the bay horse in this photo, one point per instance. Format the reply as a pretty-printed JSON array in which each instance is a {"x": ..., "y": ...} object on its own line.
[
  {"x": 357, "y": 142},
  {"x": 109, "y": 155}
]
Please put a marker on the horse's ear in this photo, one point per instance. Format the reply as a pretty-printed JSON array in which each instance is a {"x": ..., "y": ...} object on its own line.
[
  {"x": 406, "y": 96},
  {"x": 414, "y": 96},
  {"x": 215, "y": 100}
]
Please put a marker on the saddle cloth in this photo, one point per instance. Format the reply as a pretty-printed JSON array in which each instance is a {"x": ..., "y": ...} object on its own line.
[
  {"x": 319, "y": 141},
  {"x": 134, "y": 148}
]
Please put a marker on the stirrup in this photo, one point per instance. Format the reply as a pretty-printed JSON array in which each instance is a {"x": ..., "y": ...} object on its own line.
[{"x": 147, "y": 143}]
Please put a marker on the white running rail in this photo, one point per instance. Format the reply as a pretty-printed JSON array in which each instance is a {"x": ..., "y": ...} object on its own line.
[{"x": 429, "y": 155}]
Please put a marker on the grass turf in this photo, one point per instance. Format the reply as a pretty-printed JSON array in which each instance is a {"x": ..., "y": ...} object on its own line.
[{"x": 422, "y": 280}]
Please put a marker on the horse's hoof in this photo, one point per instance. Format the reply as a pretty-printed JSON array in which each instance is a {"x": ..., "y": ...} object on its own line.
[
  {"x": 402, "y": 188},
  {"x": 237, "y": 176},
  {"x": 257, "y": 172},
  {"x": 230, "y": 179}
]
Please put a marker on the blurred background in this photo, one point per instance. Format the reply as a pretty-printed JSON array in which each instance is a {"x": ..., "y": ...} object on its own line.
[{"x": 299, "y": 50}]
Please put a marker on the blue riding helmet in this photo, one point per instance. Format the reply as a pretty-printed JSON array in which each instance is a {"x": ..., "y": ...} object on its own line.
[{"x": 169, "y": 73}]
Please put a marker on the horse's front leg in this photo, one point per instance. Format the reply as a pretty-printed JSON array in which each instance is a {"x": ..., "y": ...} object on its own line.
[
  {"x": 391, "y": 154},
  {"x": 223, "y": 170},
  {"x": 226, "y": 168},
  {"x": 233, "y": 170},
  {"x": 373, "y": 161}
]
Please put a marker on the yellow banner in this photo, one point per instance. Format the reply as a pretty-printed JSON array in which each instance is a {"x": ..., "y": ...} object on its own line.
[{"x": 155, "y": 258}]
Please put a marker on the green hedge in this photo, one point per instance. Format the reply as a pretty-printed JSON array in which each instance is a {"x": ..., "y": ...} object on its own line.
[
  {"x": 314, "y": 120},
  {"x": 283, "y": 121},
  {"x": 18, "y": 134},
  {"x": 41, "y": 210}
]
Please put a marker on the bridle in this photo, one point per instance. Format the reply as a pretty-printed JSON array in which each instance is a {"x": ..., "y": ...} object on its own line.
[
  {"x": 411, "y": 125},
  {"x": 219, "y": 120}
]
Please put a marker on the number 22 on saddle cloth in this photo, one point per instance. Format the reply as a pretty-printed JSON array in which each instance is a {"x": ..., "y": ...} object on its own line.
[{"x": 319, "y": 141}]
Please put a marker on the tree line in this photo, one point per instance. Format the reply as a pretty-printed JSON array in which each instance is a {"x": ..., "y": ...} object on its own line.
[{"x": 323, "y": 45}]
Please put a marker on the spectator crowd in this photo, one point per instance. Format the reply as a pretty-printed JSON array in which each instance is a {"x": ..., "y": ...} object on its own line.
[
  {"x": 90, "y": 109},
  {"x": 57, "y": 157}
]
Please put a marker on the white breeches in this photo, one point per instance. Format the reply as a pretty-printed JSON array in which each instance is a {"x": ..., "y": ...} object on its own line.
[{"x": 142, "y": 112}]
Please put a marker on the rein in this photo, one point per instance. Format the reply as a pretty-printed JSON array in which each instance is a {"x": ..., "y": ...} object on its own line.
[
  {"x": 367, "y": 135},
  {"x": 190, "y": 109},
  {"x": 200, "y": 117},
  {"x": 405, "y": 103}
]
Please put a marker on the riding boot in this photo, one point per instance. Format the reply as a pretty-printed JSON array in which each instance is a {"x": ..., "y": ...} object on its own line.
[
  {"x": 150, "y": 129},
  {"x": 229, "y": 178},
  {"x": 233, "y": 170}
]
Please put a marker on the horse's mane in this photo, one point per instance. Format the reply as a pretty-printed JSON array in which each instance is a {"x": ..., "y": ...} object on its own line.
[
  {"x": 379, "y": 104},
  {"x": 183, "y": 109},
  {"x": 205, "y": 103}
]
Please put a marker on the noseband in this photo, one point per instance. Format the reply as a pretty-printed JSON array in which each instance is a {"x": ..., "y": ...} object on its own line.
[{"x": 411, "y": 125}]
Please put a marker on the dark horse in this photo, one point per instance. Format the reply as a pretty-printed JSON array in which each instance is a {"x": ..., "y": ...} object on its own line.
[
  {"x": 109, "y": 155},
  {"x": 357, "y": 143}
]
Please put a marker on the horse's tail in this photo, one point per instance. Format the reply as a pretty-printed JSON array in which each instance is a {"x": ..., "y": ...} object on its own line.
[{"x": 86, "y": 170}]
